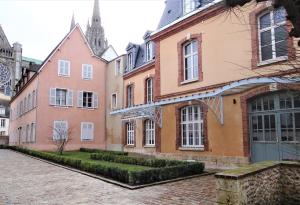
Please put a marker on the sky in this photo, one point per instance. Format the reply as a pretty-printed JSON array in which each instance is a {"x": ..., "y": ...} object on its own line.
[{"x": 39, "y": 25}]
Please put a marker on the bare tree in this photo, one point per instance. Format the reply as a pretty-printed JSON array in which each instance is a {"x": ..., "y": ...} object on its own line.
[{"x": 61, "y": 136}]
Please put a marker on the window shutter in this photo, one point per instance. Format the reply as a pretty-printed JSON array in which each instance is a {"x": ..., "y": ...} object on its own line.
[
  {"x": 52, "y": 97},
  {"x": 35, "y": 98},
  {"x": 70, "y": 98},
  {"x": 55, "y": 129},
  {"x": 68, "y": 68},
  {"x": 91, "y": 131},
  {"x": 95, "y": 100},
  {"x": 91, "y": 72},
  {"x": 80, "y": 99},
  {"x": 61, "y": 67}
]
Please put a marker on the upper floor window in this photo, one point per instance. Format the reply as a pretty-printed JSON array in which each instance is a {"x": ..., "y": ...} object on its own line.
[
  {"x": 87, "y": 72},
  {"x": 130, "y": 100},
  {"x": 118, "y": 67},
  {"x": 273, "y": 35},
  {"x": 2, "y": 125},
  {"x": 188, "y": 6},
  {"x": 87, "y": 99},
  {"x": 114, "y": 101},
  {"x": 63, "y": 68},
  {"x": 87, "y": 131},
  {"x": 61, "y": 97},
  {"x": 130, "y": 61},
  {"x": 149, "y": 90},
  {"x": 149, "y": 51},
  {"x": 190, "y": 60},
  {"x": 191, "y": 126},
  {"x": 2, "y": 111}
]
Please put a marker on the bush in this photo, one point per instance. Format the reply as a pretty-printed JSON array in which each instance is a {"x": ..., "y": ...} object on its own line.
[
  {"x": 136, "y": 160},
  {"x": 3, "y": 146},
  {"x": 102, "y": 151}
]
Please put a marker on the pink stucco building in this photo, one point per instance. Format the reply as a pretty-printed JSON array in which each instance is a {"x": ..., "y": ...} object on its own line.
[{"x": 67, "y": 91}]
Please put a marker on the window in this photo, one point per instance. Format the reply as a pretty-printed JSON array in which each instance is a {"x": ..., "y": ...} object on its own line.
[
  {"x": 190, "y": 60},
  {"x": 191, "y": 127},
  {"x": 87, "y": 131},
  {"x": 87, "y": 72},
  {"x": 87, "y": 99},
  {"x": 2, "y": 133},
  {"x": 32, "y": 132},
  {"x": 130, "y": 133},
  {"x": 2, "y": 124},
  {"x": 130, "y": 61},
  {"x": 29, "y": 103},
  {"x": 27, "y": 133},
  {"x": 188, "y": 6},
  {"x": 150, "y": 133},
  {"x": 149, "y": 52},
  {"x": 273, "y": 35},
  {"x": 63, "y": 68},
  {"x": 149, "y": 90},
  {"x": 60, "y": 130},
  {"x": 61, "y": 97},
  {"x": 33, "y": 98},
  {"x": 118, "y": 67},
  {"x": 2, "y": 111},
  {"x": 130, "y": 99},
  {"x": 21, "y": 107},
  {"x": 114, "y": 101},
  {"x": 25, "y": 104}
]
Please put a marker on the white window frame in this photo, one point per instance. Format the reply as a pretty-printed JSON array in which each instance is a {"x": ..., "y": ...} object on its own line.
[
  {"x": 2, "y": 110},
  {"x": 67, "y": 68},
  {"x": 273, "y": 43},
  {"x": 53, "y": 97},
  {"x": 118, "y": 67},
  {"x": 192, "y": 122},
  {"x": 54, "y": 129},
  {"x": 188, "y": 6},
  {"x": 91, "y": 137},
  {"x": 149, "y": 90},
  {"x": 149, "y": 133},
  {"x": 95, "y": 99},
  {"x": 194, "y": 70},
  {"x": 114, "y": 106},
  {"x": 87, "y": 72},
  {"x": 149, "y": 51},
  {"x": 130, "y": 61},
  {"x": 130, "y": 96},
  {"x": 130, "y": 133}
]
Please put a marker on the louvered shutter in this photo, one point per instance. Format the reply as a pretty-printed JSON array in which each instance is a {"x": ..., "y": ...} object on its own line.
[
  {"x": 80, "y": 99},
  {"x": 95, "y": 100},
  {"x": 70, "y": 98},
  {"x": 52, "y": 97},
  {"x": 91, "y": 72}
]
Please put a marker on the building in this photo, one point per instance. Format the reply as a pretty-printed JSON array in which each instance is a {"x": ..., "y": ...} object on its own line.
[
  {"x": 66, "y": 93},
  {"x": 216, "y": 89},
  {"x": 4, "y": 118}
]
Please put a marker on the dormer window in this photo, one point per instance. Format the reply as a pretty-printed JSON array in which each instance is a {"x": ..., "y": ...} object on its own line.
[
  {"x": 130, "y": 61},
  {"x": 189, "y": 6},
  {"x": 149, "y": 52}
]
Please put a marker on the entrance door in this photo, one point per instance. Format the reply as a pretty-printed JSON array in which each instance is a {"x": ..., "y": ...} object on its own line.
[{"x": 275, "y": 126}]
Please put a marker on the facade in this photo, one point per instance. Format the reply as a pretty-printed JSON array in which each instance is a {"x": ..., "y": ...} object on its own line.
[
  {"x": 4, "y": 118},
  {"x": 223, "y": 91},
  {"x": 48, "y": 101}
]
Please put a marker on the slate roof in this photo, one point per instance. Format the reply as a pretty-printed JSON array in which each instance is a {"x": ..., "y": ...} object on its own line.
[
  {"x": 4, "y": 43},
  {"x": 174, "y": 10}
]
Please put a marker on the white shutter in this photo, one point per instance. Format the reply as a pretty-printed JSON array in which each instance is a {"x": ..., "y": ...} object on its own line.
[
  {"x": 67, "y": 67},
  {"x": 61, "y": 65},
  {"x": 52, "y": 96},
  {"x": 35, "y": 98},
  {"x": 70, "y": 97},
  {"x": 91, "y": 131},
  {"x": 55, "y": 129},
  {"x": 80, "y": 99},
  {"x": 91, "y": 72},
  {"x": 95, "y": 100},
  {"x": 83, "y": 131}
]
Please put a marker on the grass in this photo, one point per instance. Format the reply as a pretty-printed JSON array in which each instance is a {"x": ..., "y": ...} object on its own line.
[{"x": 85, "y": 156}]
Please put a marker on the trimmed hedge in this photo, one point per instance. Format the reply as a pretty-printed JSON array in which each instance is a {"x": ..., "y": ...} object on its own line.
[
  {"x": 102, "y": 151},
  {"x": 136, "y": 160},
  {"x": 165, "y": 169},
  {"x": 3, "y": 146}
]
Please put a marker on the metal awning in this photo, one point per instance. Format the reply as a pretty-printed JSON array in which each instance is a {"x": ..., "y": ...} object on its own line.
[{"x": 213, "y": 99}]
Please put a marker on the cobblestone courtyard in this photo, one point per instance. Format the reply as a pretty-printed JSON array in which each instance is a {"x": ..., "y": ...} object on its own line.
[{"x": 24, "y": 180}]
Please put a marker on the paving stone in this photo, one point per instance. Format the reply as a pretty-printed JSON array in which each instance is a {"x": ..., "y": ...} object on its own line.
[{"x": 24, "y": 180}]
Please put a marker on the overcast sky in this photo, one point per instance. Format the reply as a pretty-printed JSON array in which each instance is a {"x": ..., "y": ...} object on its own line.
[{"x": 39, "y": 25}]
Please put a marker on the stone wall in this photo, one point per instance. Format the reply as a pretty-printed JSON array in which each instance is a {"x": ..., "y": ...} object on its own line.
[{"x": 262, "y": 183}]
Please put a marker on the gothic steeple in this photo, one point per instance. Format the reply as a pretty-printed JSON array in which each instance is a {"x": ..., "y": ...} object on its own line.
[
  {"x": 95, "y": 33},
  {"x": 72, "y": 22}
]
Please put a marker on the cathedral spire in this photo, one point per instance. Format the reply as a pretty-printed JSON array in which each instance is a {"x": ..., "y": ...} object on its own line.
[
  {"x": 72, "y": 22},
  {"x": 96, "y": 13}
]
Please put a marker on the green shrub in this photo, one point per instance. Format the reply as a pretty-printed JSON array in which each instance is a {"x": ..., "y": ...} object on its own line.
[
  {"x": 3, "y": 146},
  {"x": 102, "y": 151}
]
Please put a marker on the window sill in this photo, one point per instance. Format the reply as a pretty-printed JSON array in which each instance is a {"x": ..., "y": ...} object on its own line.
[
  {"x": 189, "y": 81},
  {"x": 191, "y": 148},
  {"x": 65, "y": 76},
  {"x": 149, "y": 146},
  {"x": 83, "y": 140},
  {"x": 129, "y": 146},
  {"x": 61, "y": 106},
  {"x": 271, "y": 61}
]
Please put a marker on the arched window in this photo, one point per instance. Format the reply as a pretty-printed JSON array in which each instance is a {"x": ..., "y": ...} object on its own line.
[
  {"x": 273, "y": 34},
  {"x": 190, "y": 60},
  {"x": 149, "y": 90},
  {"x": 149, "y": 133},
  {"x": 130, "y": 133},
  {"x": 191, "y": 126}
]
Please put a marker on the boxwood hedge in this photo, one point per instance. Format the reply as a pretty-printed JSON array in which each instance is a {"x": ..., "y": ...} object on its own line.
[{"x": 102, "y": 151}]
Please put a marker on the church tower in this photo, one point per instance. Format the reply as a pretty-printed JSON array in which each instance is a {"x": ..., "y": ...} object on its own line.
[{"x": 95, "y": 32}]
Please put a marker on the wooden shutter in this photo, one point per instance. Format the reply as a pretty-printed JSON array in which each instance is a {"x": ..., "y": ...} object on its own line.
[
  {"x": 95, "y": 100},
  {"x": 52, "y": 96},
  {"x": 91, "y": 72},
  {"x": 80, "y": 99},
  {"x": 70, "y": 98},
  {"x": 67, "y": 68}
]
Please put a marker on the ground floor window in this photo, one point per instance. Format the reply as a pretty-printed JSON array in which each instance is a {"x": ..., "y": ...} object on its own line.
[
  {"x": 149, "y": 133},
  {"x": 87, "y": 131},
  {"x": 191, "y": 126},
  {"x": 130, "y": 133},
  {"x": 60, "y": 130}
]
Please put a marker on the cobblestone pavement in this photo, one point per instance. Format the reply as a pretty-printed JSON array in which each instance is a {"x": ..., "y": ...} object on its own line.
[{"x": 24, "y": 180}]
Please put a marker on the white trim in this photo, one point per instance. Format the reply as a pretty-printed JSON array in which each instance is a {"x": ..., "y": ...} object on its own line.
[
  {"x": 68, "y": 74},
  {"x": 90, "y": 138},
  {"x": 87, "y": 67}
]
